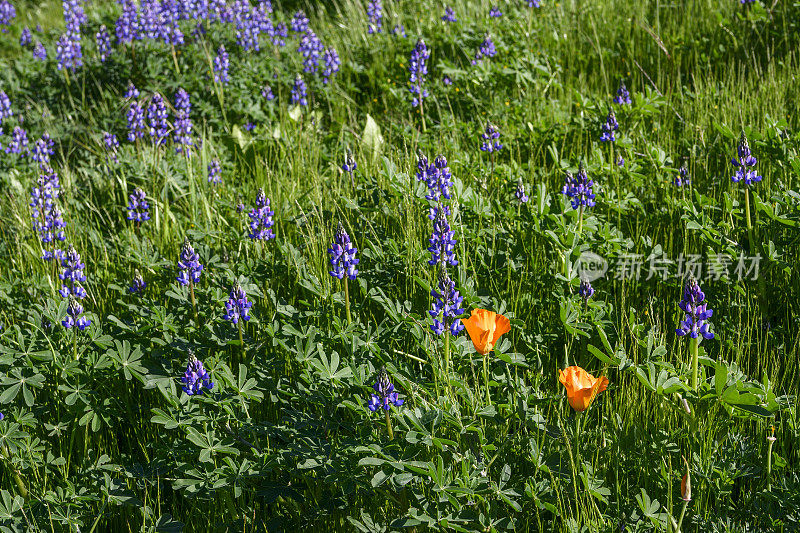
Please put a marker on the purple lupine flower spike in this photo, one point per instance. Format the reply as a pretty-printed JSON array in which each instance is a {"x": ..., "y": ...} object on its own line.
[
  {"x": 266, "y": 93},
  {"x": 138, "y": 207},
  {"x": 19, "y": 142},
  {"x": 609, "y": 127},
  {"x": 75, "y": 316},
  {"x": 5, "y": 107},
  {"x": 43, "y": 149},
  {"x": 349, "y": 164},
  {"x": 189, "y": 265},
  {"x": 446, "y": 308},
  {"x": 744, "y": 164},
  {"x": 494, "y": 12},
  {"x": 486, "y": 49},
  {"x": 72, "y": 275},
  {"x": 449, "y": 15},
  {"x": 196, "y": 379},
  {"x": 182, "y": 136},
  {"x": 299, "y": 95},
  {"x": 442, "y": 241},
  {"x": 695, "y": 324},
  {"x": 579, "y": 188},
  {"x": 261, "y": 219},
  {"x": 623, "y": 96},
  {"x": 135, "y": 116},
  {"x": 343, "y": 255},
  {"x": 374, "y": 16},
  {"x": 39, "y": 51},
  {"x": 491, "y": 139},
  {"x": 682, "y": 178},
  {"x": 214, "y": 172},
  {"x": 299, "y": 22},
  {"x": 585, "y": 290},
  {"x": 385, "y": 395},
  {"x": 331, "y": 64},
  {"x": 221, "y": 66},
  {"x": 157, "y": 119},
  {"x": 138, "y": 284},
  {"x": 520, "y": 192},
  {"x": 418, "y": 69},
  {"x": 237, "y": 305},
  {"x": 103, "y": 44}
]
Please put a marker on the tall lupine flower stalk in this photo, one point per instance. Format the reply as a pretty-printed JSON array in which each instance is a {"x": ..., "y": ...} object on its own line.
[
  {"x": 261, "y": 219},
  {"x": 446, "y": 311},
  {"x": 214, "y": 172},
  {"x": 375, "y": 16},
  {"x": 75, "y": 316},
  {"x": 72, "y": 275},
  {"x": 196, "y": 379},
  {"x": 138, "y": 207},
  {"x": 331, "y": 63},
  {"x": 310, "y": 48},
  {"x": 138, "y": 284},
  {"x": 103, "y": 44},
  {"x": 609, "y": 127},
  {"x": 299, "y": 22},
  {"x": 418, "y": 69},
  {"x": 47, "y": 220},
  {"x": 157, "y": 119},
  {"x": 19, "y": 142},
  {"x": 745, "y": 171},
  {"x": 110, "y": 144},
  {"x": 385, "y": 397},
  {"x": 5, "y": 107},
  {"x": 350, "y": 166},
  {"x": 221, "y": 66},
  {"x": 135, "y": 116},
  {"x": 449, "y": 15},
  {"x": 491, "y": 143},
  {"x": 522, "y": 198},
  {"x": 236, "y": 310},
  {"x": 495, "y": 12},
  {"x": 442, "y": 241},
  {"x": 486, "y": 49},
  {"x": 299, "y": 91},
  {"x": 43, "y": 149},
  {"x": 7, "y": 14},
  {"x": 695, "y": 323},
  {"x": 183, "y": 124},
  {"x": 39, "y": 51},
  {"x": 623, "y": 96},
  {"x": 343, "y": 262},
  {"x": 579, "y": 189},
  {"x": 190, "y": 270},
  {"x": 682, "y": 178}
]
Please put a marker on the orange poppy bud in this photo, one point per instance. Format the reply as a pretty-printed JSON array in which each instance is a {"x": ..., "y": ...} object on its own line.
[
  {"x": 582, "y": 387},
  {"x": 484, "y": 328}
]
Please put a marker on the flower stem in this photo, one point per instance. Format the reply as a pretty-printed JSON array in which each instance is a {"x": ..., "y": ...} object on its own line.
[
  {"x": 347, "y": 302},
  {"x": 241, "y": 341},
  {"x": 748, "y": 219},
  {"x": 389, "y": 425},
  {"x": 683, "y": 513},
  {"x": 769, "y": 464},
  {"x": 194, "y": 302},
  {"x": 693, "y": 345},
  {"x": 446, "y": 352},
  {"x": 486, "y": 377}
]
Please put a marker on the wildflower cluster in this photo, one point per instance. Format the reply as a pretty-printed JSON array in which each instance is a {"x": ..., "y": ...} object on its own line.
[
  {"x": 261, "y": 218},
  {"x": 47, "y": 219},
  {"x": 418, "y": 69},
  {"x": 385, "y": 396},
  {"x": 745, "y": 164},
  {"x": 188, "y": 265},
  {"x": 579, "y": 188},
  {"x": 237, "y": 306},
  {"x": 695, "y": 323},
  {"x": 138, "y": 207},
  {"x": 196, "y": 379}
]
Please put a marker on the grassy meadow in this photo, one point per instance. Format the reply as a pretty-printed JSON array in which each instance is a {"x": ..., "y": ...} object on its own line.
[{"x": 187, "y": 342}]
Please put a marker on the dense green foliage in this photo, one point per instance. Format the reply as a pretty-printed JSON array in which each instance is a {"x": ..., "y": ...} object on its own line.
[{"x": 99, "y": 436}]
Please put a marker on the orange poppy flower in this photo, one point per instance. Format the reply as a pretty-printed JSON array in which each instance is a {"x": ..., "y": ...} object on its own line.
[
  {"x": 686, "y": 488},
  {"x": 582, "y": 387},
  {"x": 484, "y": 328}
]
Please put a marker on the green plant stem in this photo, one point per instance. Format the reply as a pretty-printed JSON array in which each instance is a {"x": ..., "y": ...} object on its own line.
[
  {"x": 769, "y": 464},
  {"x": 486, "y": 378},
  {"x": 194, "y": 302},
  {"x": 241, "y": 341},
  {"x": 683, "y": 513},
  {"x": 389, "y": 425},
  {"x": 347, "y": 302},
  {"x": 447, "y": 353},
  {"x": 693, "y": 349},
  {"x": 748, "y": 219}
]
